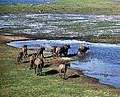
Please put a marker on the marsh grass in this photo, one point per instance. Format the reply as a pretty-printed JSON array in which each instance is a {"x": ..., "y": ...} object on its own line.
[{"x": 19, "y": 81}]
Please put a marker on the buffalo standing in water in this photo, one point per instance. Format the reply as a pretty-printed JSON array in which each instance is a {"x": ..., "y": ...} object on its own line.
[
  {"x": 82, "y": 49},
  {"x": 59, "y": 50},
  {"x": 40, "y": 52}
]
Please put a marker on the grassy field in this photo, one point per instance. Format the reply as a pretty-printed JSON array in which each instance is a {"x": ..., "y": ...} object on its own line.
[
  {"x": 65, "y": 6},
  {"x": 19, "y": 81}
]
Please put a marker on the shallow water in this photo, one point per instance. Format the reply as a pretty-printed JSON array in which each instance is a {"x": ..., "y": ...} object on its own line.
[
  {"x": 60, "y": 25},
  {"x": 102, "y": 61},
  {"x": 26, "y": 1}
]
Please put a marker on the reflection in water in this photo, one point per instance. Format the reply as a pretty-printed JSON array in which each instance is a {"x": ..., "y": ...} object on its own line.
[
  {"x": 101, "y": 61},
  {"x": 83, "y": 57}
]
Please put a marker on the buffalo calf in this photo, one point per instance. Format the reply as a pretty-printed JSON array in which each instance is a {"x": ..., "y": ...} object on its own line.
[{"x": 63, "y": 69}]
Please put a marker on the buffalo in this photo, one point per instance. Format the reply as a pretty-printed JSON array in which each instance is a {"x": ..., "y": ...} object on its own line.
[
  {"x": 53, "y": 50},
  {"x": 32, "y": 59},
  {"x": 38, "y": 63},
  {"x": 63, "y": 69},
  {"x": 62, "y": 50},
  {"x": 40, "y": 52},
  {"x": 19, "y": 57},
  {"x": 24, "y": 50},
  {"x": 82, "y": 49}
]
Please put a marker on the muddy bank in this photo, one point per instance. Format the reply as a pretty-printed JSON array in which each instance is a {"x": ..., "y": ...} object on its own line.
[
  {"x": 8, "y": 38},
  {"x": 93, "y": 39}
]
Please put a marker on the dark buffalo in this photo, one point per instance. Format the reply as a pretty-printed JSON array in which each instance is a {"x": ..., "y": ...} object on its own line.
[
  {"x": 82, "y": 49},
  {"x": 62, "y": 50},
  {"x": 40, "y": 52}
]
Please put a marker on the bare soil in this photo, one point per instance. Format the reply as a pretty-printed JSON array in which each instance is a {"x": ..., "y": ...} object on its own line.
[{"x": 7, "y": 38}]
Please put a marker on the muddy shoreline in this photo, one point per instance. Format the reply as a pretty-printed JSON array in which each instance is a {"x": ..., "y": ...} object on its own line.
[
  {"x": 76, "y": 74},
  {"x": 112, "y": 40}
]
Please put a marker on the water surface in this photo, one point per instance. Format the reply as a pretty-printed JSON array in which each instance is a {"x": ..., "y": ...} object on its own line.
[{"x": 102, "y": 61}]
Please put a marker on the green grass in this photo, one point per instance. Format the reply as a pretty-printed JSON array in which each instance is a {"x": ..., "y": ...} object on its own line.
[
  {"x": 19, "y": 81},
  {"x": 65, "y": 6}
]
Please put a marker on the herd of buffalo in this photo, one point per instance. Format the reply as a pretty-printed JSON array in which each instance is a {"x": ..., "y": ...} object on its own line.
[{"x": 36, "y": 59}]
